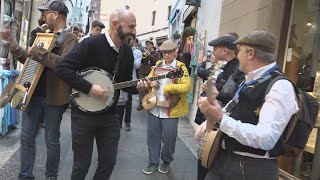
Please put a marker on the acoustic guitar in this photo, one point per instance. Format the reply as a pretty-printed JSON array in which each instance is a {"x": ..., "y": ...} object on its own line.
[{"x": 211, "y": 138}]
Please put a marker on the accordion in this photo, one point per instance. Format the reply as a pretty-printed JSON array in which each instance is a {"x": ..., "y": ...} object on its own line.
[{"x": 30, "y": 74}]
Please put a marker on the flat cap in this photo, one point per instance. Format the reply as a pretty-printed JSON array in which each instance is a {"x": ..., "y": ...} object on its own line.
[
  {"x": 55, "y": 5},
  {"x": 149, "y": 41},
  {"x": 262, "y": 40},
  {"x": 97, "y": 23},
  {"x": 167, "y": 45},
  {"x": 225, "y": 41}
]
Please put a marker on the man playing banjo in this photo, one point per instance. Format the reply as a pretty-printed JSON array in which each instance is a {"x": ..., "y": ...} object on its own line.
[
  {"x": 111, "y": 53},
  {"x": 171, "y": 104}
]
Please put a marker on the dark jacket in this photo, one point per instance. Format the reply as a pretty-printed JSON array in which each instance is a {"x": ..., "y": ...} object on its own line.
[
  {"x": 204, "y": 72},
  {"x": 148, "y": 62},
  {"x": 33, "y": 35},
  {"x": 96, "y": 52},
  {"x": 57, "y": 91}
]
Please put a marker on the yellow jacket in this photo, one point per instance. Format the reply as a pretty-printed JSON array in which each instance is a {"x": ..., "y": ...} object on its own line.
[{"x": 181, "y": 88}]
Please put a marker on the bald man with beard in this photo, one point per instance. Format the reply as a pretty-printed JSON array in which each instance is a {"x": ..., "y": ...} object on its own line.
[{"x": 102, "y": 51}]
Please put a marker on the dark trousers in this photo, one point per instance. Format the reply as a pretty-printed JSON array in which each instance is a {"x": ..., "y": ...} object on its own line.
[
  {"x": 230, "y": 166},
  {"x": 202, "y": 171},
  {"x": 126, "y": 110},
  {"x": 104, "y": 128}
]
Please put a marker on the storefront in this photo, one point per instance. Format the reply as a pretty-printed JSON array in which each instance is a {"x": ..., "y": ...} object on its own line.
[
  {"x": 296, "y": 24},
  {"x": 298, "y": 53}
]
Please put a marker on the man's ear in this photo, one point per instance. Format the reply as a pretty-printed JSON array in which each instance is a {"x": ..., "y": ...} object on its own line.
[
  {"x": 115, "y": 24},
  {"x": 251, "y": 53},
  {"x": 56, "y": 15}
]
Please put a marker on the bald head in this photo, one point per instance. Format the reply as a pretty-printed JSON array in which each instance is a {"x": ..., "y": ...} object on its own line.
[
  {"x": 122, "y": 26},
  {"x": 119, "y": 15}
]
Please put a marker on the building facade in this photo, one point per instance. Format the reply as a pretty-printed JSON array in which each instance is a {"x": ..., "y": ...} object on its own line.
[{"x": 152, "y": 17}]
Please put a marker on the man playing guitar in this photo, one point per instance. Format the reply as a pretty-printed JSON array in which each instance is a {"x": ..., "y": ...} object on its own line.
[
  {"x": 250, "y": 141},
  {"x": 227, "y": 83},
  {"x": 163, "y": 118}
]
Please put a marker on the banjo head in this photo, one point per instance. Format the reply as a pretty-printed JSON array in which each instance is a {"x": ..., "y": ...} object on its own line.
[{"x": 88, "y": 103}]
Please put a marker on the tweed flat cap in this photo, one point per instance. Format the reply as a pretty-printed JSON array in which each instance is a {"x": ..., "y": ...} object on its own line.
[
  {"x": 167, "y": 45},
  {"x": 225, "y": 41},
  {"x": 262, "y": 40}
]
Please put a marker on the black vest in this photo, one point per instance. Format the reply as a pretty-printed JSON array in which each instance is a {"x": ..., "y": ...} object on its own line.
[{"x": 247, "y": 111}]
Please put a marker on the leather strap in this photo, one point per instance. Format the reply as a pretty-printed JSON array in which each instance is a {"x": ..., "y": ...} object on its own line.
[{"x": 163, "y": 104}]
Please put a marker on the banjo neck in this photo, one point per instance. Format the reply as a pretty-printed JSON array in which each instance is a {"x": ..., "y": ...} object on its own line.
[{"x": 126, "y": 84}]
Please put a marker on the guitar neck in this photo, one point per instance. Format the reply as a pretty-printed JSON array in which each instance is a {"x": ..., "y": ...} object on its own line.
[{"x": 126, "y": 84}]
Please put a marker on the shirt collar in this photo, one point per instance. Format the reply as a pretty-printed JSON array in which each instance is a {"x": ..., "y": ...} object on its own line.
[
  {"x": 253, "y": 75},
  {"x": 111, "y": 42},
  {"x": 172, "y": 65}
]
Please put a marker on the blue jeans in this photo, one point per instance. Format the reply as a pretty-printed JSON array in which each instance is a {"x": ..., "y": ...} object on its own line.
[
  {"x": 53, "y": 117},
  {"x": 30, "y": 124},
  {"x": 29, "y": 128}
]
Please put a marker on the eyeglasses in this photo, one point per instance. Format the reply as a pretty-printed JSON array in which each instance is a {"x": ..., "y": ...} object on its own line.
[
  {"x": 48, "y": 12},
  {"x": 167, "y": 52}
]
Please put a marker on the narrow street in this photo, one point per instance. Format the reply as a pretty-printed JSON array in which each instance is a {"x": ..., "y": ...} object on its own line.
[{"x": 132, "y": 153}]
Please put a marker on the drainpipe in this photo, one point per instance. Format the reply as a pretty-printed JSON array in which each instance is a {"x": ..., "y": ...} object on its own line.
[{"x": 29, "y": 22}]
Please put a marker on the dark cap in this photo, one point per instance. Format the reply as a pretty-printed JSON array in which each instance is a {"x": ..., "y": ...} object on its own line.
[
  {"x": 55, "y": 5},
  {"x": 225, "y": 41},
  {"x": 97, "y": 23},
  {"x": 262, "y": 40},
  {"x": 149, "y": 41}
]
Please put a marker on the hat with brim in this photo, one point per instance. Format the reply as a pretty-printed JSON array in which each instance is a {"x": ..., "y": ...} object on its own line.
[
  {"x": 149, "y": 41},
  {"x": 224, "y": 41},
  {"x": 55, "y": 5},
  {"x": 261, "y": 40},
  {"x": 167, "y": 45}
]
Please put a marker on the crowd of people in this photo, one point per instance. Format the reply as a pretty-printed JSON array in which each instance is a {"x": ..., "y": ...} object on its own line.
[{"x": 250, "y": 144}]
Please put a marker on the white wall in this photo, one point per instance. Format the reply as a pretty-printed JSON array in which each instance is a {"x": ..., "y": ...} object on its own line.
[
  {"x": 209, "y": 15},
  {"x": 143, "y": 12}
]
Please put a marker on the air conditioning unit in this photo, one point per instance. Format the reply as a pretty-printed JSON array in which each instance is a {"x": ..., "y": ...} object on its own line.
[{"x": 193, "y": 3}]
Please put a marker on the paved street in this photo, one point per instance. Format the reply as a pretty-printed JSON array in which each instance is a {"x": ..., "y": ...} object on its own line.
[{"x": 132, "y": 153}]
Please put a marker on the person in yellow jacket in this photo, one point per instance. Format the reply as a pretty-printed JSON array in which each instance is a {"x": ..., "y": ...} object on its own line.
[{"x": 171, "y": 104}]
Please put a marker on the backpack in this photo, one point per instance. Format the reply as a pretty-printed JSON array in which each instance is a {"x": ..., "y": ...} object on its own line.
[{"x": 296, "y": 134}]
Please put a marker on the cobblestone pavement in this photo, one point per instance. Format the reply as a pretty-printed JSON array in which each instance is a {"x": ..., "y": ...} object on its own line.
[{"x": 132, "y": 153}]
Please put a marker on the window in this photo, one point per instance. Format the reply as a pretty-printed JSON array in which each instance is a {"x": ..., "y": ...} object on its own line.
[
  {"x": 302, "y": 65},
  {"x": 169, "y": 10},
  {"x": 153, "y": 17},
  {"x": 126, "y": 7}
]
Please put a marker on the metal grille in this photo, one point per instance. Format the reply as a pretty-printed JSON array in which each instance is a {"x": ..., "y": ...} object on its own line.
[{"x": 29, "y": 72}]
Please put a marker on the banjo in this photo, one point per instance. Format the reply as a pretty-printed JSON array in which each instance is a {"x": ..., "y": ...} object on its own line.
[
  {"x": 93, "y": 104},
  {"x": 210, "y": 141}
]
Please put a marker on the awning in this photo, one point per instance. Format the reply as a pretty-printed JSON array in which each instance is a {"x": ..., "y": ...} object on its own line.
[{"x": 173, "y": 16}]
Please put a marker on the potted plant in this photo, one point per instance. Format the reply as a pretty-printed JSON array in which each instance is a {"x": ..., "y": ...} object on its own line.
[
  {"x": 176, "y": 35},
  {"x": 189, "y": 31}
]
